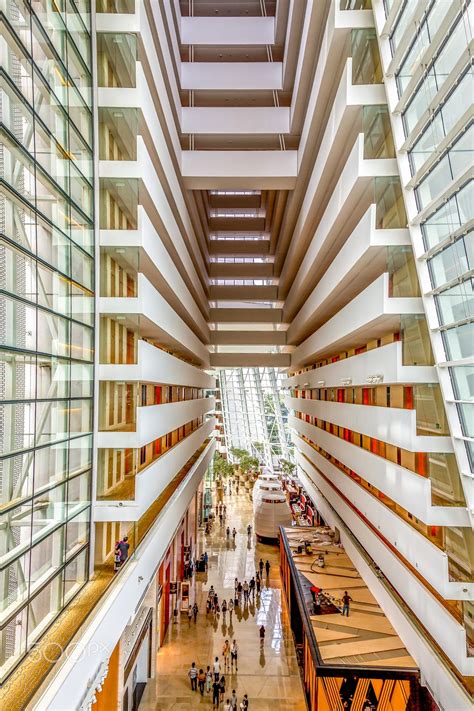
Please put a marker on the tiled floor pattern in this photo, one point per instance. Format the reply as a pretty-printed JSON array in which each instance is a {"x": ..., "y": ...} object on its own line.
[{"x": 270, "y": 676}]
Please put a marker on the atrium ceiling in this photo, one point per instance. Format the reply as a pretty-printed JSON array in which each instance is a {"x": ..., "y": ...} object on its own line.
[{"x": 248, "y": 138}]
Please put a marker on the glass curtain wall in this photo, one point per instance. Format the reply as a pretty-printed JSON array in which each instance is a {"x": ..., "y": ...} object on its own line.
[
  {"x": 254, "y": 412},
  {"x": 46, "y": 315},
  {"x": 438, "y": 128}
]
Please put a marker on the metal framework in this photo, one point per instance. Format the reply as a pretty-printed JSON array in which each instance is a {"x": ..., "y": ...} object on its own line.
[{"x": 253, "y": 411}]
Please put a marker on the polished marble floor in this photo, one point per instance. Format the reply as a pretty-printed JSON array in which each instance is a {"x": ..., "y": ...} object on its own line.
[{"x": 270, "y": 675}]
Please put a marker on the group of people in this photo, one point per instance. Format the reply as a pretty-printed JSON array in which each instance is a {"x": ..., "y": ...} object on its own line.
[
  {"x": 319, "y": 598},
  {"x": 213, "y": 680}
]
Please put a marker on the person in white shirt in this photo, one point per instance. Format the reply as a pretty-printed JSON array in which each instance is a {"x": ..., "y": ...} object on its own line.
[
  {"x": 217, "y": 669},
  {"x": 233, "y": 654},
  {"x": 227, "y": 706}
]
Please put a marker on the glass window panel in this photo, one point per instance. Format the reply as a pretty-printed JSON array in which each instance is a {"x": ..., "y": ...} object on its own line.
[
  {"x": 80, "y": 416},
  {"x": 82, "y": 380},
  {"x": 53, "y": 378},
  {"x": 49, "y": 509},
  {"x": 80, "y": 153},
  {"x": 463, "y": 382},
  {"x": 466, "y": 415},
  {"x": 82, "y": 342},
  {"x": 52, "y": 23},
  {"x": 116, "y": 59},
  {"x": 18, "y": 170},
  {"x": 78, "y": 493},
  {"x": 16, "y": 64},
  {"x": 18, "y": 428},
  {"x": 53, "y": 334},
  {"x": 82, "y": 231},
  {"x": 53, "y": 290},
  {"x": 80, "y": 114},
  {"x": 51, "y": 465},
  {"x": 422, "y": 98},
  {"x": 458, "y": 341},
  {"x": 77, "y": 533},
  {"x": 75, "y": 575},
  {"x": 17, "y": 376},
  {"x": 16, "y": 478},
  {"x": 19, "y": 222},
  {"x": 402, "y": 23},
  {"x": 17, "y": 117},
  {"x": 12, "y": 642},
  {"x": 81, "y": 191},
  {"x": 453, "y": 261},
  {"x": 366, "y": 64},
  {"x": 118, "y": 131},
  {"x": 51, "y": 421},
  {"x": 44, "y": 607},
  {"x": 46, "y": 558},
  {"x": 14, "y": 584},
  {"x": 16, "y": 531},
  {"x": 456, "y": 303},
  {"x": 51, "y": 68},
  {"x": 80, "y": 454},
  {"x": 449, "y": 217},
  {"x": 18, "y": 275}
]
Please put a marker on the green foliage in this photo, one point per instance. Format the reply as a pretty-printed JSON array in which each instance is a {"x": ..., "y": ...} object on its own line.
[
  {"x": 287, "y": 467},
  {"x": 248, "y": 464},
  {"x": 222, "y": 467},
  {"x": 258, "y": 446},
  {"x": 238, "y": 453}
]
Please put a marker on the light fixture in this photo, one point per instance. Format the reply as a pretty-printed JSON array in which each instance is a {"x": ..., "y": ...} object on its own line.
[
  {"x": 346, "y": 381},
  {"x": 321, "y": 383}
]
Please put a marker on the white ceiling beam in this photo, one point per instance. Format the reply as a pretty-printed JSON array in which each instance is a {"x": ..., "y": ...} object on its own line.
[
  {"x": 235, "y": 120},
  {"x": 239, "y": 170},
  {"x": 231, "y": 76},
  {"x": 225, "y": 31}
]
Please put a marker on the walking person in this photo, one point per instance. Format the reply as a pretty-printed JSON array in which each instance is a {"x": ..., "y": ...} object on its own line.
[
  {"x": 244, "y": 704},
  {"x": 267, "y": 568},
  {"x": 193, "y": 673},
  {"x": 123, "y": 546},
  {"x": 222, "y": 687},
  {"x": 346, "y": 600},
  {"x": 252, "y": 587},
  {"x": 216, "y": 694},
  {"x": 234, "y": 533},
  {"x": 257, "y": 585},
  {"x": 249, "y": 530},
  {"x": 262, "y": 635},
  {"x": 224, "y": 609},
  {"x": 239, "y": 591},
  {"x": 231, "y": 609},
  {"x": 190, "y": 615},
  {"x": 227, "y": 705},
  {"x": 234, "y": 650},
  {"x": 201, "y": 681},
  {"x": 233, "y": 701},
  {"x": 227, "y": 532},
  {"x": 261, "y": 566},
  {"x": 217, "y": 669},
  {"x": 208, "y": 680},
  {"x": 245, "y": 588},
  {"x": 195, "y": 612},
  {"x": 226, "y": 654}
]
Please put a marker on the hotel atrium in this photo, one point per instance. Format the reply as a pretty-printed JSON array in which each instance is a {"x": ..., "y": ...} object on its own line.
[{"x": 236, "y": 244}]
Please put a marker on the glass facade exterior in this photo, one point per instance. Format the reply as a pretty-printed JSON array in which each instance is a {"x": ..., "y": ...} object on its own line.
[
  {"x": 254, "y": 411},
  {"x": 46, "y": 316}
]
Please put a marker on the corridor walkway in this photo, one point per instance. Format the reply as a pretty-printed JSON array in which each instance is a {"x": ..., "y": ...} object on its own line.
[{"x": 270, "y": 676}]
